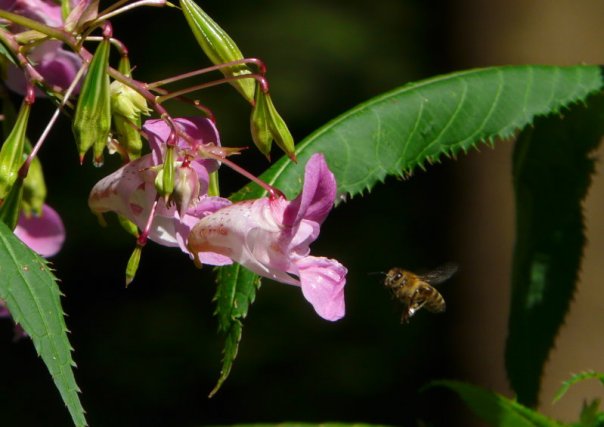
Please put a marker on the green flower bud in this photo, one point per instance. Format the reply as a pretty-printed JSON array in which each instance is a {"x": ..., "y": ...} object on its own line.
[
  {"x": 164, "y": 181},
  {"x": 218, "y": 47},
  {"x": 259, "y": 124},
  {"x": 92, "y": 122},
  {"x": 133, "y": 263},
  {"x": 128, "y": 225},
  {"x": 127, "y": 105},
  {"x": 283, "y": 138},
  {"x": 34, "y": 189},
  {"x": 214, "y": 186},
  {"x": 11, "y": 153}
]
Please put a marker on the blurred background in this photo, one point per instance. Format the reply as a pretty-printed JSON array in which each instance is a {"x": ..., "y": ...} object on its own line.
[{"x": 149, "y": 355}]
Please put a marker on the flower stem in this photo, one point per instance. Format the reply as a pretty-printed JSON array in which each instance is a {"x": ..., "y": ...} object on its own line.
[
  {"x": 36, "y": 25},
  {"x": 110, "y": 12},
  {"x": 261, "y": 80},
  {"x": 255, "y": 61}
]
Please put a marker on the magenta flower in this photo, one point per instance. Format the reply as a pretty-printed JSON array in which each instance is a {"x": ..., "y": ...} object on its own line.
[
  {"x": 56, "y": 65},
  {"x": 43, "y": 233},
  {"x": 130, "y": 191},
  {"x": 271, "y": 237}
]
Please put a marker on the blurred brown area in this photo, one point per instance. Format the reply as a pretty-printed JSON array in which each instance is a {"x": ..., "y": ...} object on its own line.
[{"x": 517, "y": 32}]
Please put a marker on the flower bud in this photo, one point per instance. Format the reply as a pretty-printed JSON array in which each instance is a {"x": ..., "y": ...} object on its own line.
[
  {"x": 133, "y": 263},
  {"x": 259, "y": 124},
  {"x": 11, "y": 153},
  {"x": 186, "y": 188},
  {"x": 283, "y": 138},
  {"x": 92, "y": 122},
  {"x": 128, "y": 225},
  {"x": 127, "y": 105},
  {"x": 164, "y": 180},
  {"x": 218, "y": 47},
  {"x": 34, "y": 189}
]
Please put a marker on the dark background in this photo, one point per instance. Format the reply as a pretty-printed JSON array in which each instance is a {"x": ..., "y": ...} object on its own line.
[{"x": 148, "y": 355}]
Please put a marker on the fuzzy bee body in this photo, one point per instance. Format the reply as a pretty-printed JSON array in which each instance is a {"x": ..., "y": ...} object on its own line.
[{"x": 416, "y": 291}]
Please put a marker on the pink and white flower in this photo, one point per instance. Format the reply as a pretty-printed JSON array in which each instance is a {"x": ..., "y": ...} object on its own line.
[
  {"x": 271, "y": 237},
  {"x": 57, "y": 65},
  {"x": 130, "y": 191}
]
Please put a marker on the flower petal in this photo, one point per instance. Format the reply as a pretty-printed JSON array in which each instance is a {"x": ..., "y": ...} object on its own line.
[
  {"x": 44, "y": 234},
  {"x": 318, "y": 194},
  {"x": 322, "y": 282}
]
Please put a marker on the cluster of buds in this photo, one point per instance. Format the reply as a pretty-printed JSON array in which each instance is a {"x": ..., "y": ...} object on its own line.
[{"x": 166, "y": 191}]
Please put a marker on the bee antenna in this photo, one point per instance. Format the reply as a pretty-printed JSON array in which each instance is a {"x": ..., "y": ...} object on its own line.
[{"x": 375, "y": 273}]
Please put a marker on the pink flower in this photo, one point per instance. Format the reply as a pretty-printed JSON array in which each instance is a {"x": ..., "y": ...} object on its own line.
[
  {"x": 56, "y": 65},
  {"x": 43, "y": 233},
  {"x": 130, "y": 191},
  {"x": 271, "y": 237}
]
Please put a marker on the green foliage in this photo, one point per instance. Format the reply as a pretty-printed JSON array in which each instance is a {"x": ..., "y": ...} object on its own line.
[
  {"x": 32, "y": 296},
  {"x": 236, "y": 291},
  {"x": 395, "y": 133},
  {"x": 495, "y": 409},
  {"x": 552, "y": 170},
  {"x": 582, "y": 376}
]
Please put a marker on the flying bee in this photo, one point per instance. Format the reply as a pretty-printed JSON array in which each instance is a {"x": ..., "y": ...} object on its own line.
[{"x": 416, "y": 290}]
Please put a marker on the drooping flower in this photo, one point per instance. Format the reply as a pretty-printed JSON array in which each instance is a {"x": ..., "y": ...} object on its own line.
[
  {"x": 130, "y": 191},
  {"x": 271, "y": 237},
  {"x": 57, "y": 65},
  {"x": 43, "y": 233}
]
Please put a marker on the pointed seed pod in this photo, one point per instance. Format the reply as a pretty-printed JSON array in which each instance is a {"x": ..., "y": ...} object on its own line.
[
  {"x": 133, "y": 263},
  {"x": 218, "y": 47},
  {"x": 34, "y": 189},
  {"x": 259, "y": 123},
  {"x": 281, "y": 134},
  {"x": 92, "y": 122},
  {"x": 10, "y": 209},
  {"x": 11, "y": 153}
]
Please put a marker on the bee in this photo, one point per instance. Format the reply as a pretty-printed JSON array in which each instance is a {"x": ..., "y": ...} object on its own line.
[{"x": 416, "y": 290}]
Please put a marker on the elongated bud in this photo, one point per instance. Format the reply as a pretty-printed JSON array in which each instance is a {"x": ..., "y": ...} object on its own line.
[
  {"x": 282, "y": 135},
  {"x": 92, "y": 122},
  {"x": 127, "y": 105},
  {"x": 128, "y": 225},
  {"x": 34, "y": 189},
  {"x": 218, "y": 46},
  {"x": 133, "y": 263},
  {"x": 11, "y": 153},
  {"x": 168, "y": 172},
  {"x": 214, "y": 185},
  {"x": 259, "y": 124}
]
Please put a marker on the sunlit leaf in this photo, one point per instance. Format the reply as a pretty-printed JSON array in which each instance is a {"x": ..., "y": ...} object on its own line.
[
  {"x": 552, "y": 172},
  {"x": 32, "y": 296}
]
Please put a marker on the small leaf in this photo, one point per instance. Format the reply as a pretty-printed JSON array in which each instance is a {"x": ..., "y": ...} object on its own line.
[
  {"x": 552, "y": 172},
  {"x": 495, "y": 409},
  {"x": 236, "y": 291},
  {"x": 32, "y": 296},
  {"x": 582, "y": 376}
]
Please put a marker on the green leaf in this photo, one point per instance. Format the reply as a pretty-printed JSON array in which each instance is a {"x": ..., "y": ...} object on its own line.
[
  {"x": 395, "y": 133},
  {"x": 495, "y": 409},
  {"x": 235, "y": 293},
  {"x": 552, "y": 172},
  {"x": 582, "y": 376},
  {"x": 32, "y": 296},
  {"x": 398, "y": 131}
]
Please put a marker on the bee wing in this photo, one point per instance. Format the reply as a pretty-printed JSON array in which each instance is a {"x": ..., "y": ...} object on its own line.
[{"x": 440, "y": 274}]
